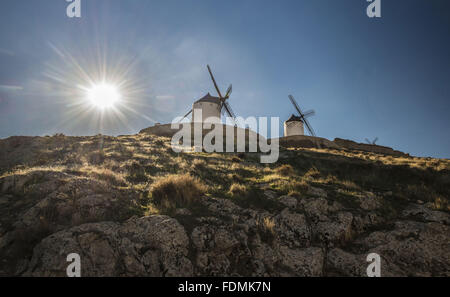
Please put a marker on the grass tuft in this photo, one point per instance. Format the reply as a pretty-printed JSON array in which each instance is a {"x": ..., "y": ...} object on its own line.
[{"x": 177, "y": 191}]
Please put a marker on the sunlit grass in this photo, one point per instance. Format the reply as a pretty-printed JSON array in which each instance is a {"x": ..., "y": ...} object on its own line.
[{"x": 138, "y": 162}]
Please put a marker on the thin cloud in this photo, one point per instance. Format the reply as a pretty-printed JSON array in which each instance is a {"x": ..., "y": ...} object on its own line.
[
  {"x": 165, "y": 97},
  {"x": 10, "y": 88}
]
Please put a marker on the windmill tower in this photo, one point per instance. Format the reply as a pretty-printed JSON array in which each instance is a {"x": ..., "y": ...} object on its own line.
[
  {"x": 295, "y": 124},
  {"x": 212, "y": 107}
]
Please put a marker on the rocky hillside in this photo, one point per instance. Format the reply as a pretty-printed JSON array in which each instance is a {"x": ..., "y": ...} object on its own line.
[{"x": 129, "y": 206}]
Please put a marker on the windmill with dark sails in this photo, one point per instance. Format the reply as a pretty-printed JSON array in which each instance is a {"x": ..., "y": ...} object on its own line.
[
  {"x": 211, "y": 106},
  {"x": 295, "y": 124}
]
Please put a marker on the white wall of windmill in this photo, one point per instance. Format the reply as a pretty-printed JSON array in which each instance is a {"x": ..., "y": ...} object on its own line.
[
  {"x": 210, "y": 112},
  {"x": 293, "y": 128}
]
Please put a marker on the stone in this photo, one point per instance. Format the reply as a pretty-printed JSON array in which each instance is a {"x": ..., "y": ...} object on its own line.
[
  {"x": 147, "y": 246},
  {"x": 288, "y": 201}
]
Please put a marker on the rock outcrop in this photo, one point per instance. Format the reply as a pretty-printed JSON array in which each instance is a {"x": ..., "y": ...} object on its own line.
[{"x": 308, "y": 237}]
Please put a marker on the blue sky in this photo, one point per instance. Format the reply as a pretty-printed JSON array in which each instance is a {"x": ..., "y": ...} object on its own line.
[{"x": 386, "y": 78}]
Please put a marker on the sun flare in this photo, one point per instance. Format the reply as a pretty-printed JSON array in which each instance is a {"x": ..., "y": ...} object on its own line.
[{"x": 103, "y": 95}]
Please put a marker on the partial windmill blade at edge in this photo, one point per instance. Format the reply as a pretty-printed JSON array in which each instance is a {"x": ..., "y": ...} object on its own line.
[
  {"x": 368, "y": 141},
  {"x": 185, "y": 116},
  {"x": 303, "y": 116},
  {"x": 229, "y": 90},
  {"x": 229, "y": 110},
  {"x": 308, "y": 126},
  {"x": 296, "y": 105},
  {"x": 309, "y": 113},
  {"x": 214, "y": 81},
  {"x": 375, "y": 140}
]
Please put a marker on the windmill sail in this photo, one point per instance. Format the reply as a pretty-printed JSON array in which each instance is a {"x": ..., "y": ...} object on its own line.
[
  {"x": 373, "y": 142},
  {"x": 214, "y": 82},
  {"x": 185, "y": 116},
  {"x": 303, "y": 115},
  {"x": 225, "y": 106}
]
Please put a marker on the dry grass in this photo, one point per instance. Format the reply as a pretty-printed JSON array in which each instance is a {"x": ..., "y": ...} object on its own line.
[
  {"x": 136, "y": 173},
  {"x": 199, "y": 165},
  {"x": 104, "y": 174},
  {"x": 269, "y": 225},
  {"x": 350, "y": 185},
  {"x": 267, "y": 229},
  {"x": 297, "y": 188},
  {"x": 96, "y": 158},
  {"x": 29, "y": 170},
  {"x": 441, "y": 203},
  {"x": 238, "y": 190},
  {"x": 174, "y": 191},
  {"x": 285, "y": 170},
  {"x": 135, "y": 161},
  {"x": 312, "y": 173}
]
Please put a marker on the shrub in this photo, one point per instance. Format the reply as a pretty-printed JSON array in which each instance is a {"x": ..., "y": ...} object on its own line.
[
  {"x": 269, "y": 224},
  {"x": 103, "y": 174},
  {"x": 109, "y": 176},
  {"x": 159, "y": 142},
  {"x": 267, "y": 230},
  {"x": 312, "y": 173},
  {"x": 441, "y": 203},
  {"x": 137, "y": 173},
  {"x": 238, "y": 190},
  {"x": 297, "y": 188},
  {"x": 285, "y": 170},
  {"x": 199, "y": 165},
  {"x": 174, "y": 191},
  {"x": 96, "y": 158}
]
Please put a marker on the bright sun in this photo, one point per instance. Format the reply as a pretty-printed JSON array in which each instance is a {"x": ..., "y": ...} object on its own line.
[{"x": 103, "y": 95}]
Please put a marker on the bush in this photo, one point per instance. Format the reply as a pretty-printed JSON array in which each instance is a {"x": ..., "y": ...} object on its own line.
[
  {"x": 238, "y": 190},
  {"x": 96, "y": 158},
  {"x": 267, "y": 230},
  {"x": 109, "y": 176},
  {"x": 137, "y": 173},
  {"x": 285, "y": 170},
  {"x": 177, "y": 191},
  {"x": 297, "y": 188},
  {"x": 199, "y": 165},
  {"x": 312, "y": 173}
]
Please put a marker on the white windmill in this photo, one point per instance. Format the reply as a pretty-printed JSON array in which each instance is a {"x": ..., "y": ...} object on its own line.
[
  {"x": 212, "y": 107},
  {"x": 295, "y": 124}
]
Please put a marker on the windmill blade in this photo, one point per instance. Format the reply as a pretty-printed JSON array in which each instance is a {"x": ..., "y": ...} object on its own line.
[
  {"x": 295, "y": 105},
  {"x": 228, "y": 109},
  {"x": 185, "y": 116},
  {"x": 375, "y": 140},
  {"x": 309, "y": 113},
  {"x": 308, "y": 126},
  {"x": 230, "y": 89},
  {"x": 214, "y": 81},
  {"x": 368, "y": 141}
]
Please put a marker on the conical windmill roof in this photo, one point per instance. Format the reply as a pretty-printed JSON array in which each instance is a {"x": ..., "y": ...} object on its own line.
[
  {"x": 294, "y": 118},
  {"x": 209, "y": 98}
]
